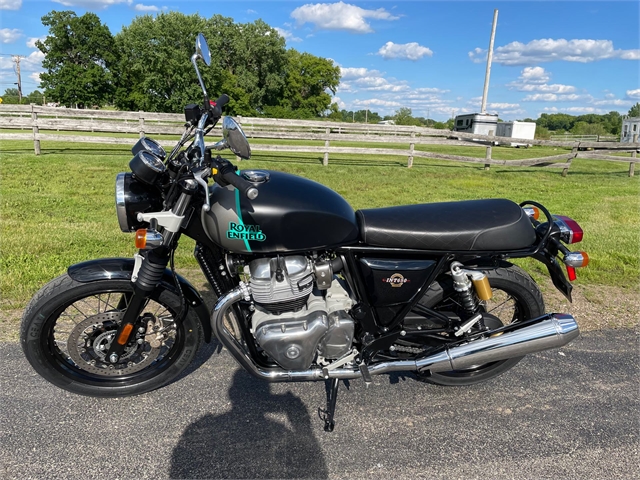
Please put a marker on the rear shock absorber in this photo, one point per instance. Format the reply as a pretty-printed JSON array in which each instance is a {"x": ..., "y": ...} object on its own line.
[{"x": 463, "y": 281}]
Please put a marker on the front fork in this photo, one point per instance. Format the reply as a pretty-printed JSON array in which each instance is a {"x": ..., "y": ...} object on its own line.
[{"x": 151, "y": 269}]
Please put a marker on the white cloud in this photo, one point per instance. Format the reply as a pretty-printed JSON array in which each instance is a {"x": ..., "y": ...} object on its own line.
[
  {"x": 431, "y": 90},
  {"x": 139, "y": 7},
  {"x": 549, "y": 50},
  {"x": 31, "y": 41},
  {"x": 534, "y": 75},
  {"x": 576, "y": 110},
  {"x": 10, "y": 4},
  {"x": 533, "y": 79},
  {"x": 252, "y": 12},
  {"x": 35, "y": 76},
  {"x": 287, "y": 35},
  {"x": 339, "y": 16},
  {"x": 91, "y": 4},
  {"x": 357, "y": 72},
  {"x": 376, "y": 101},
  {"x": 10, "y": 35},
  {"x": 616, "y": 102},
  {"x": 407, "y": 51},
  {"x": 633, "y": 94},
  {"x": 552, "y": 97},
  {"x": 341, "y": 104}
]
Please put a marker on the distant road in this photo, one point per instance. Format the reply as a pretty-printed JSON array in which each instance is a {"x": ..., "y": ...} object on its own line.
[{"x": 565, "y": 414}]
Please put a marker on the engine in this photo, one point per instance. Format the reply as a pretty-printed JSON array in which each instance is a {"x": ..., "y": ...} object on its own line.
[{"x": 301, "y": 311}]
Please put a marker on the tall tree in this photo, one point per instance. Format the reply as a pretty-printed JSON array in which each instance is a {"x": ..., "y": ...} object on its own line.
[
  {"x": 307, "y": 83},
  {"x": 247, "y": 63},
  {"x": 635, "y": 110},
  {"x": 78, "y": 57}
]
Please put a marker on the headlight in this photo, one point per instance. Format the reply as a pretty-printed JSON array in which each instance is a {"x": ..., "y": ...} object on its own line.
[{"x": 133, "y": 197}]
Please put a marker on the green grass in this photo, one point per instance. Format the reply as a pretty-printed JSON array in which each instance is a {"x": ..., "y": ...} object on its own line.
[{"x": 58, "y": 209}]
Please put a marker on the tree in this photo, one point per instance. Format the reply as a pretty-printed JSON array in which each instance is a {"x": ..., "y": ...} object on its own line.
[
  {"x": 78, "y": 57},
  {"x": 308, "y": 80},
  {"x": 634, "y": 111},
  {"x": 10, "y": 96},
  {"x": 155, "y": 72},
  {"x": 403, "y": 117}
]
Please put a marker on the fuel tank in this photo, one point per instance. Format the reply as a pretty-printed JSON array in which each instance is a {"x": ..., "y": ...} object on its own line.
[{"x": 290, "y": 214}]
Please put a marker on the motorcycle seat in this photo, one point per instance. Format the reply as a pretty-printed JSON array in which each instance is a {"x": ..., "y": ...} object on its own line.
[{"x": 473, "y": 225}]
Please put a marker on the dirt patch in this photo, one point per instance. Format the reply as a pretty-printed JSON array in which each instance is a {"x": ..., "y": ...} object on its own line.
[{"x": 595, "y": 307}]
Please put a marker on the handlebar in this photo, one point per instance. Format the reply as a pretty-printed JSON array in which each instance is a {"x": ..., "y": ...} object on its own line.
[
  {"x": 244, "y": 186},
  {"x": 218, "y": 105}
]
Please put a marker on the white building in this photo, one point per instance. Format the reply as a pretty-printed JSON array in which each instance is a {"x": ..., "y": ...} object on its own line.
[
  {"x": 517, "y": 129},
  {"x": 630, "y": 127}
]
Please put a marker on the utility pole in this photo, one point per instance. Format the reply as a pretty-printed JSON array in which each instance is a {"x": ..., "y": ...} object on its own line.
[
  {"x": 483, "y": 108},
  {"x": 366, "y": 115},
  {"x": 16, "y": 59}
]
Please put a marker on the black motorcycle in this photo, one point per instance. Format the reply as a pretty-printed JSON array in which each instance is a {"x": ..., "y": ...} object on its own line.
[{"x": 308, "y": 289}]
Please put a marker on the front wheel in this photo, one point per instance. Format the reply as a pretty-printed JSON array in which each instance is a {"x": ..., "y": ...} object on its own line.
[
  {"x": 68, "y": 326},
  {"x": 516, "y": 297}
]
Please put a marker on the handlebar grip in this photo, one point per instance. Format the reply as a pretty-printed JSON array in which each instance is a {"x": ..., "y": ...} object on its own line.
[
  {"x": 218, "y": 105},
  {"x": 244, "y": 186}
]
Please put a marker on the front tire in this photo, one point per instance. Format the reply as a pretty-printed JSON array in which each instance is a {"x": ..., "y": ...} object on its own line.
[
  {"x": 68, "y": 325},
  {"x": 516, "y": 298}
]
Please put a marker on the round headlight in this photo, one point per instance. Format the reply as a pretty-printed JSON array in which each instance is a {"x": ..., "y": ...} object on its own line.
[{"x": 133, "y": 197}]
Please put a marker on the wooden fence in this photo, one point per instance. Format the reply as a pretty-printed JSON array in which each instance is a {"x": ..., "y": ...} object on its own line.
[{"x": 50, "y": 119}]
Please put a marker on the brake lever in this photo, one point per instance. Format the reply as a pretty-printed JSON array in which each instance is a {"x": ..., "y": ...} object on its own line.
[{"x": 199, "y": 175}]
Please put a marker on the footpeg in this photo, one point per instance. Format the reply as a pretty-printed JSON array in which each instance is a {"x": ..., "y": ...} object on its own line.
[
  {"x": 366, "y": 375},
  {"x": 467, "y": 326}
]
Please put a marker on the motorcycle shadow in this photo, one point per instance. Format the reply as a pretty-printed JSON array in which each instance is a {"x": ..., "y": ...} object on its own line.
[{"x": 265, "y": 435}]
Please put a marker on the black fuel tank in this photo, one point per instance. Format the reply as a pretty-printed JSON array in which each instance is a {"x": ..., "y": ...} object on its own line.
[{"x": 290, "y": 214}]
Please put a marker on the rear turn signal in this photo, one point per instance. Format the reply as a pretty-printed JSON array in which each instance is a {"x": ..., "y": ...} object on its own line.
[
  {"x": 533, "y": 212},
  {"x": 576, "y": 259}
]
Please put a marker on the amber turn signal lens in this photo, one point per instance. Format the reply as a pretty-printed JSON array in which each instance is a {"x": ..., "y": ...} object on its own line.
[
  {"x": 126, "y": 331},
  {"x": 141, "y": 238}
]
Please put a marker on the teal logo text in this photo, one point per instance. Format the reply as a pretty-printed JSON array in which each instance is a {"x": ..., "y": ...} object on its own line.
[{"x": 238, "y": 231}]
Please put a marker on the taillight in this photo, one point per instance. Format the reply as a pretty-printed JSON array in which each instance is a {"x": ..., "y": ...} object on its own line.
[{"x": 570, "y": 231}]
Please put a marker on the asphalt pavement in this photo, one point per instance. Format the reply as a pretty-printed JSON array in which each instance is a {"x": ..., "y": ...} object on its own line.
[{"x": 564, "y": 414}]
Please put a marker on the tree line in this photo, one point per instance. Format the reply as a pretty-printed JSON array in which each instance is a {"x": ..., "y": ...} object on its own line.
[{"x": 146, "y": 66}]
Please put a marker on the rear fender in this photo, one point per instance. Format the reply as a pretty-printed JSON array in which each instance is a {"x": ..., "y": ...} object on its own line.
[{"x": 122, "y": 268}]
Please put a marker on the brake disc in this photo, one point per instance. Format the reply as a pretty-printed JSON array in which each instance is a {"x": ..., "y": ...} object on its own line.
[{"x": 89, "y": 343}]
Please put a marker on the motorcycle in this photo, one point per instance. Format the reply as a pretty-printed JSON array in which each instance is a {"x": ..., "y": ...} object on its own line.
[{"x": 307, "y": 288}]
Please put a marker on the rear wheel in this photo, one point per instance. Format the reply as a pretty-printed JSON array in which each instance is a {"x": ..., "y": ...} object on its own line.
[
  {"x": 516, "y": 298},
  {"x": 68, "y": 326}
]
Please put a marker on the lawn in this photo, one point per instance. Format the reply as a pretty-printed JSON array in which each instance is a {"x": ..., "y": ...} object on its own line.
[{"x": 58, "y": 209}]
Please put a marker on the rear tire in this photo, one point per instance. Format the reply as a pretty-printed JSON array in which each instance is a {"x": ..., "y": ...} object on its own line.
[
  {"x": 68, "y": 325},
  {"x": 514, "y": 289}
]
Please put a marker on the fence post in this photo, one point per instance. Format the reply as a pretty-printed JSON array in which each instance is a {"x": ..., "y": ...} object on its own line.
[
  {"x": 488, "y": 154},
  {"x": 632, "y": 165},
  {"x": 574, "y": 152},
  {"x": 36, "y": 130},
  {"x": 325, "y": 160},
  {"x": 141, "y": 123},
  {"x": 412, "y": 146}
]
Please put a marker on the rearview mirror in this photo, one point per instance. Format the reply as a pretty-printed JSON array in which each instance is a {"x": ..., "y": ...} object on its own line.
[
  {"x": 202, "y": 49},
  {"x": 235, "y": 138}
]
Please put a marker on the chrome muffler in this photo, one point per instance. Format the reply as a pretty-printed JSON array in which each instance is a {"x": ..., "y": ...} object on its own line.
[{"x": 549, "y": 331}]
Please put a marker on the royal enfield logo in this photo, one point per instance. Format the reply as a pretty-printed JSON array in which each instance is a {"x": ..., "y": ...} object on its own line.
[
  {"x": 396, "y": 280},
  {"x": 239, "y": 231}
]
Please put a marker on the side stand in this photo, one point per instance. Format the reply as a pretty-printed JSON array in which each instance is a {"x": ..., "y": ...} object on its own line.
[{"x": 331, "y": 386}]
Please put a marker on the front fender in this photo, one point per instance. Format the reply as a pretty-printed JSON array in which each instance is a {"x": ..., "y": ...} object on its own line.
[{"x": 122, "y": 268}]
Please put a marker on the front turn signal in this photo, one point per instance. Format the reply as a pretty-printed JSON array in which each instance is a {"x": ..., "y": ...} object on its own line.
[{"x": 148, "y": 238}]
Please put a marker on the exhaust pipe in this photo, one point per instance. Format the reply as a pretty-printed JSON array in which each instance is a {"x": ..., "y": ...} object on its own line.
[{"x": 552, "y": 330}]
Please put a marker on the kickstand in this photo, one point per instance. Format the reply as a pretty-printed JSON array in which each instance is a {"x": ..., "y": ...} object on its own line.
[{"x": 331, "y": 386}]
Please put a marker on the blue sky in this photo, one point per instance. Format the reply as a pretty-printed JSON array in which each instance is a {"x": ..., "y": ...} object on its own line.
[{"x": 573, "y": 57}]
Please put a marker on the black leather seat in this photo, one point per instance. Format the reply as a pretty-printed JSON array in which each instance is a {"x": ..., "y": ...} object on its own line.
[{"x": 493, "y": 224}]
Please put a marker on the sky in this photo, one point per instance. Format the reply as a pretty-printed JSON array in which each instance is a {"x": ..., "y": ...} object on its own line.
[{"x": 570, "y": 57}]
